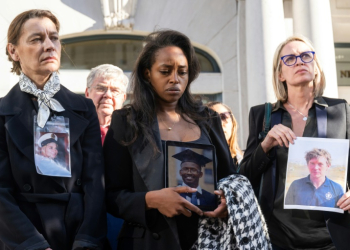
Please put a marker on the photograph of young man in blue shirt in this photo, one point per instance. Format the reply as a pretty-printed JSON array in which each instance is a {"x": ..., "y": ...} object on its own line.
[{"x": 315, "y": 189}]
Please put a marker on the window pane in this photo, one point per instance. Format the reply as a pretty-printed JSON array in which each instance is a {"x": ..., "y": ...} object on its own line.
[
  {"x": 120, "y": 52},
  {"x": 342, "y": 57},
  {"x": 89, "y": 54},
  {"x": 205, "y": 64}
]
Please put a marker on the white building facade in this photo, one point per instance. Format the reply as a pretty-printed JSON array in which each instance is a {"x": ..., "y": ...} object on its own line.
[{"x": 234, "y": 39}]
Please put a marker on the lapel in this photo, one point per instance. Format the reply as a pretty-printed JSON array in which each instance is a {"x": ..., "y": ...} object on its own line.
[
  {"x": 150, "y": 166},
  {"x": 20, "y": 110},
  {"x": 73, "y": 104},
  {"x": 321, "y": 115}
]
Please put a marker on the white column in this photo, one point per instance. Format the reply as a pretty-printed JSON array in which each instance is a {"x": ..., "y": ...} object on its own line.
[
  {"x": 312, "y": 18},
  {"x": 242, "y": 113},
  {"x": 265, "y": 29}
]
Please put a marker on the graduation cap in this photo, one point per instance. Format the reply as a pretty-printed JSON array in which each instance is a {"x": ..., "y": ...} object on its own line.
[{"x": 190, "y": 156}]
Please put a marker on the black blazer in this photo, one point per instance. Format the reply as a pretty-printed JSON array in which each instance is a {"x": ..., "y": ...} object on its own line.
[
  {"x": 131, "y": 172},
  {"x": 39, "y": 211},
  {"x": 256, "y": 162}
]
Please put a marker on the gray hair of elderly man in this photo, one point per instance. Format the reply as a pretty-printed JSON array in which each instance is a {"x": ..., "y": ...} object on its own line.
[{"x": 108, "y": 71}]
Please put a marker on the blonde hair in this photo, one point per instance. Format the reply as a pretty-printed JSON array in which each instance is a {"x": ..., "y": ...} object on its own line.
[
  {"x": 233, "y": 140},
  {"x": 280, "y": 88}
]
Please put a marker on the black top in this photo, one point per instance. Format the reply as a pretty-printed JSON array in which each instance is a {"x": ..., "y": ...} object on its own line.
[
  {"x": 132, "y": 171},
  {"x": 187, "y": 227},
  {"x": 29, "y": 201},
  {"x": 292, "y": 228}
]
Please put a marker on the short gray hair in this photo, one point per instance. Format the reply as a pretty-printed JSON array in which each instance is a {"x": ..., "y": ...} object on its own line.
[{"x": 108, "y": 71}]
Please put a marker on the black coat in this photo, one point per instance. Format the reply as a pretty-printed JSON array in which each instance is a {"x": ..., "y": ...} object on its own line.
[
  {"x": 256, "y": 162},
  {"x": 131, "y": 172},
  {"x": 39, "y": 211}
]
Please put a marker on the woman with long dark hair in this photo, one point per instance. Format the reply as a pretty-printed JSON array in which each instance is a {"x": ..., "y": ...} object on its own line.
[{"x": 162, "y": 108}]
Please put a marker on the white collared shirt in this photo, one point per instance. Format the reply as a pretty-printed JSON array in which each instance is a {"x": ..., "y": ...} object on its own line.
[{"x": 199, "y": 190}]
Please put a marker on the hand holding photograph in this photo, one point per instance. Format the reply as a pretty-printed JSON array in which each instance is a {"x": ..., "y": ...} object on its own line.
[
  {"x": 193, "y": 165},
  {"x": 316, "y": 174}
]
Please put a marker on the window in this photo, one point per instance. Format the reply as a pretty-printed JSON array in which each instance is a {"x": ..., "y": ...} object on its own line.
[
  {"x": 120, "y": 50},
  {"x": 342, "y": 57}
]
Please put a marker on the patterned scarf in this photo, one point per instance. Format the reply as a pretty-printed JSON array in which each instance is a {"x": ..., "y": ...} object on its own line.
[
  {"x": 244, "y": 228},
  {"x": 45, "y": 100}
]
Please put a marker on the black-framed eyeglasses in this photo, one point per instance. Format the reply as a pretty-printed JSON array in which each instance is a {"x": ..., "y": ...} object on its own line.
[
  {"x": 190, "y": 170},
  {"x": 305, "y": 57},
  {"x": 225, "y": 115}
]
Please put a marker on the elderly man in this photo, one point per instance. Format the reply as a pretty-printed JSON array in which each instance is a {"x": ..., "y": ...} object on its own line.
[
  {"x": 106, "y": 86},
  {"x": 315, "y": 189}
]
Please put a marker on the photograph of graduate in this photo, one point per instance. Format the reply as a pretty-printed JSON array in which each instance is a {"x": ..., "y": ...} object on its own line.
[
  {"x": 191, "y": 172},
  {"x": 47, "y": 157},
  {"x": 316, "y": 189}
]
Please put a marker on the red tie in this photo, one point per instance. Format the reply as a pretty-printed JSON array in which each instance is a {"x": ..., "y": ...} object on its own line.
[{"x": 103, "y": 133}]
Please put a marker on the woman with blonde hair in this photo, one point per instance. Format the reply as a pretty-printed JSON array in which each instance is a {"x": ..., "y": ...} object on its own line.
[
  {"x": 230, "y": 127},
  {"x": 300, "y": 111}
]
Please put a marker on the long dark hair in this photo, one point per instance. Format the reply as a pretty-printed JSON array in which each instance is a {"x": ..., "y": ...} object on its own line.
[{"x": 143, "y": 103}]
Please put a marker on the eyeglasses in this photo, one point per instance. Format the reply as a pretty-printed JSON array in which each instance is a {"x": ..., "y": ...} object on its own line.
[
  {"x": 189, "y": 170},
  {"x": 225, "y": 115},
  {"x": 103, "y": 89},
  {"x": 305, "y": 57}
]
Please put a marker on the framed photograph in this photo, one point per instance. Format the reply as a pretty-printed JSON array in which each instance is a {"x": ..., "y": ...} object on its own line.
[
  {"x": 193, "y": 165},
  {"x": 316, "y": 174}
]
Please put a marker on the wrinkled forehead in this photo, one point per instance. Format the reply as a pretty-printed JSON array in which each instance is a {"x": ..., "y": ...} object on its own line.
[
  {"x": 110, "y": 81},
  {"x": 38, "y": 25},
  {"x": 294, "y": 48}
]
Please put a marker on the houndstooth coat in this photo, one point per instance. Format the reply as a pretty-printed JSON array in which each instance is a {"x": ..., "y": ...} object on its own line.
[{"x": 245, "y": 227}]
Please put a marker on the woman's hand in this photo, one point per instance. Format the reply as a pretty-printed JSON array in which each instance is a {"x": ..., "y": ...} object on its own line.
[
  {"x": 48, "y": 249},
  {"x": 278, "y": 135},
  {"x": 221, "y": 210},
  {"x": 344, "y": 201},
  {"x": 170, "y": 203}
]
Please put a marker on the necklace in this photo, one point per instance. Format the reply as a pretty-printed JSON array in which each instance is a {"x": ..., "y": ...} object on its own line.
[
  {"x": 304, "y": 116},
  {"x": 168, "y": 127}
]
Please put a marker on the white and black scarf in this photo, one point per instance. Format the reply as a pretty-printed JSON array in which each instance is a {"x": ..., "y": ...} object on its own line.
[
  {"x": 243, "y": 229},
  {"x": 45, "y": 100}
]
